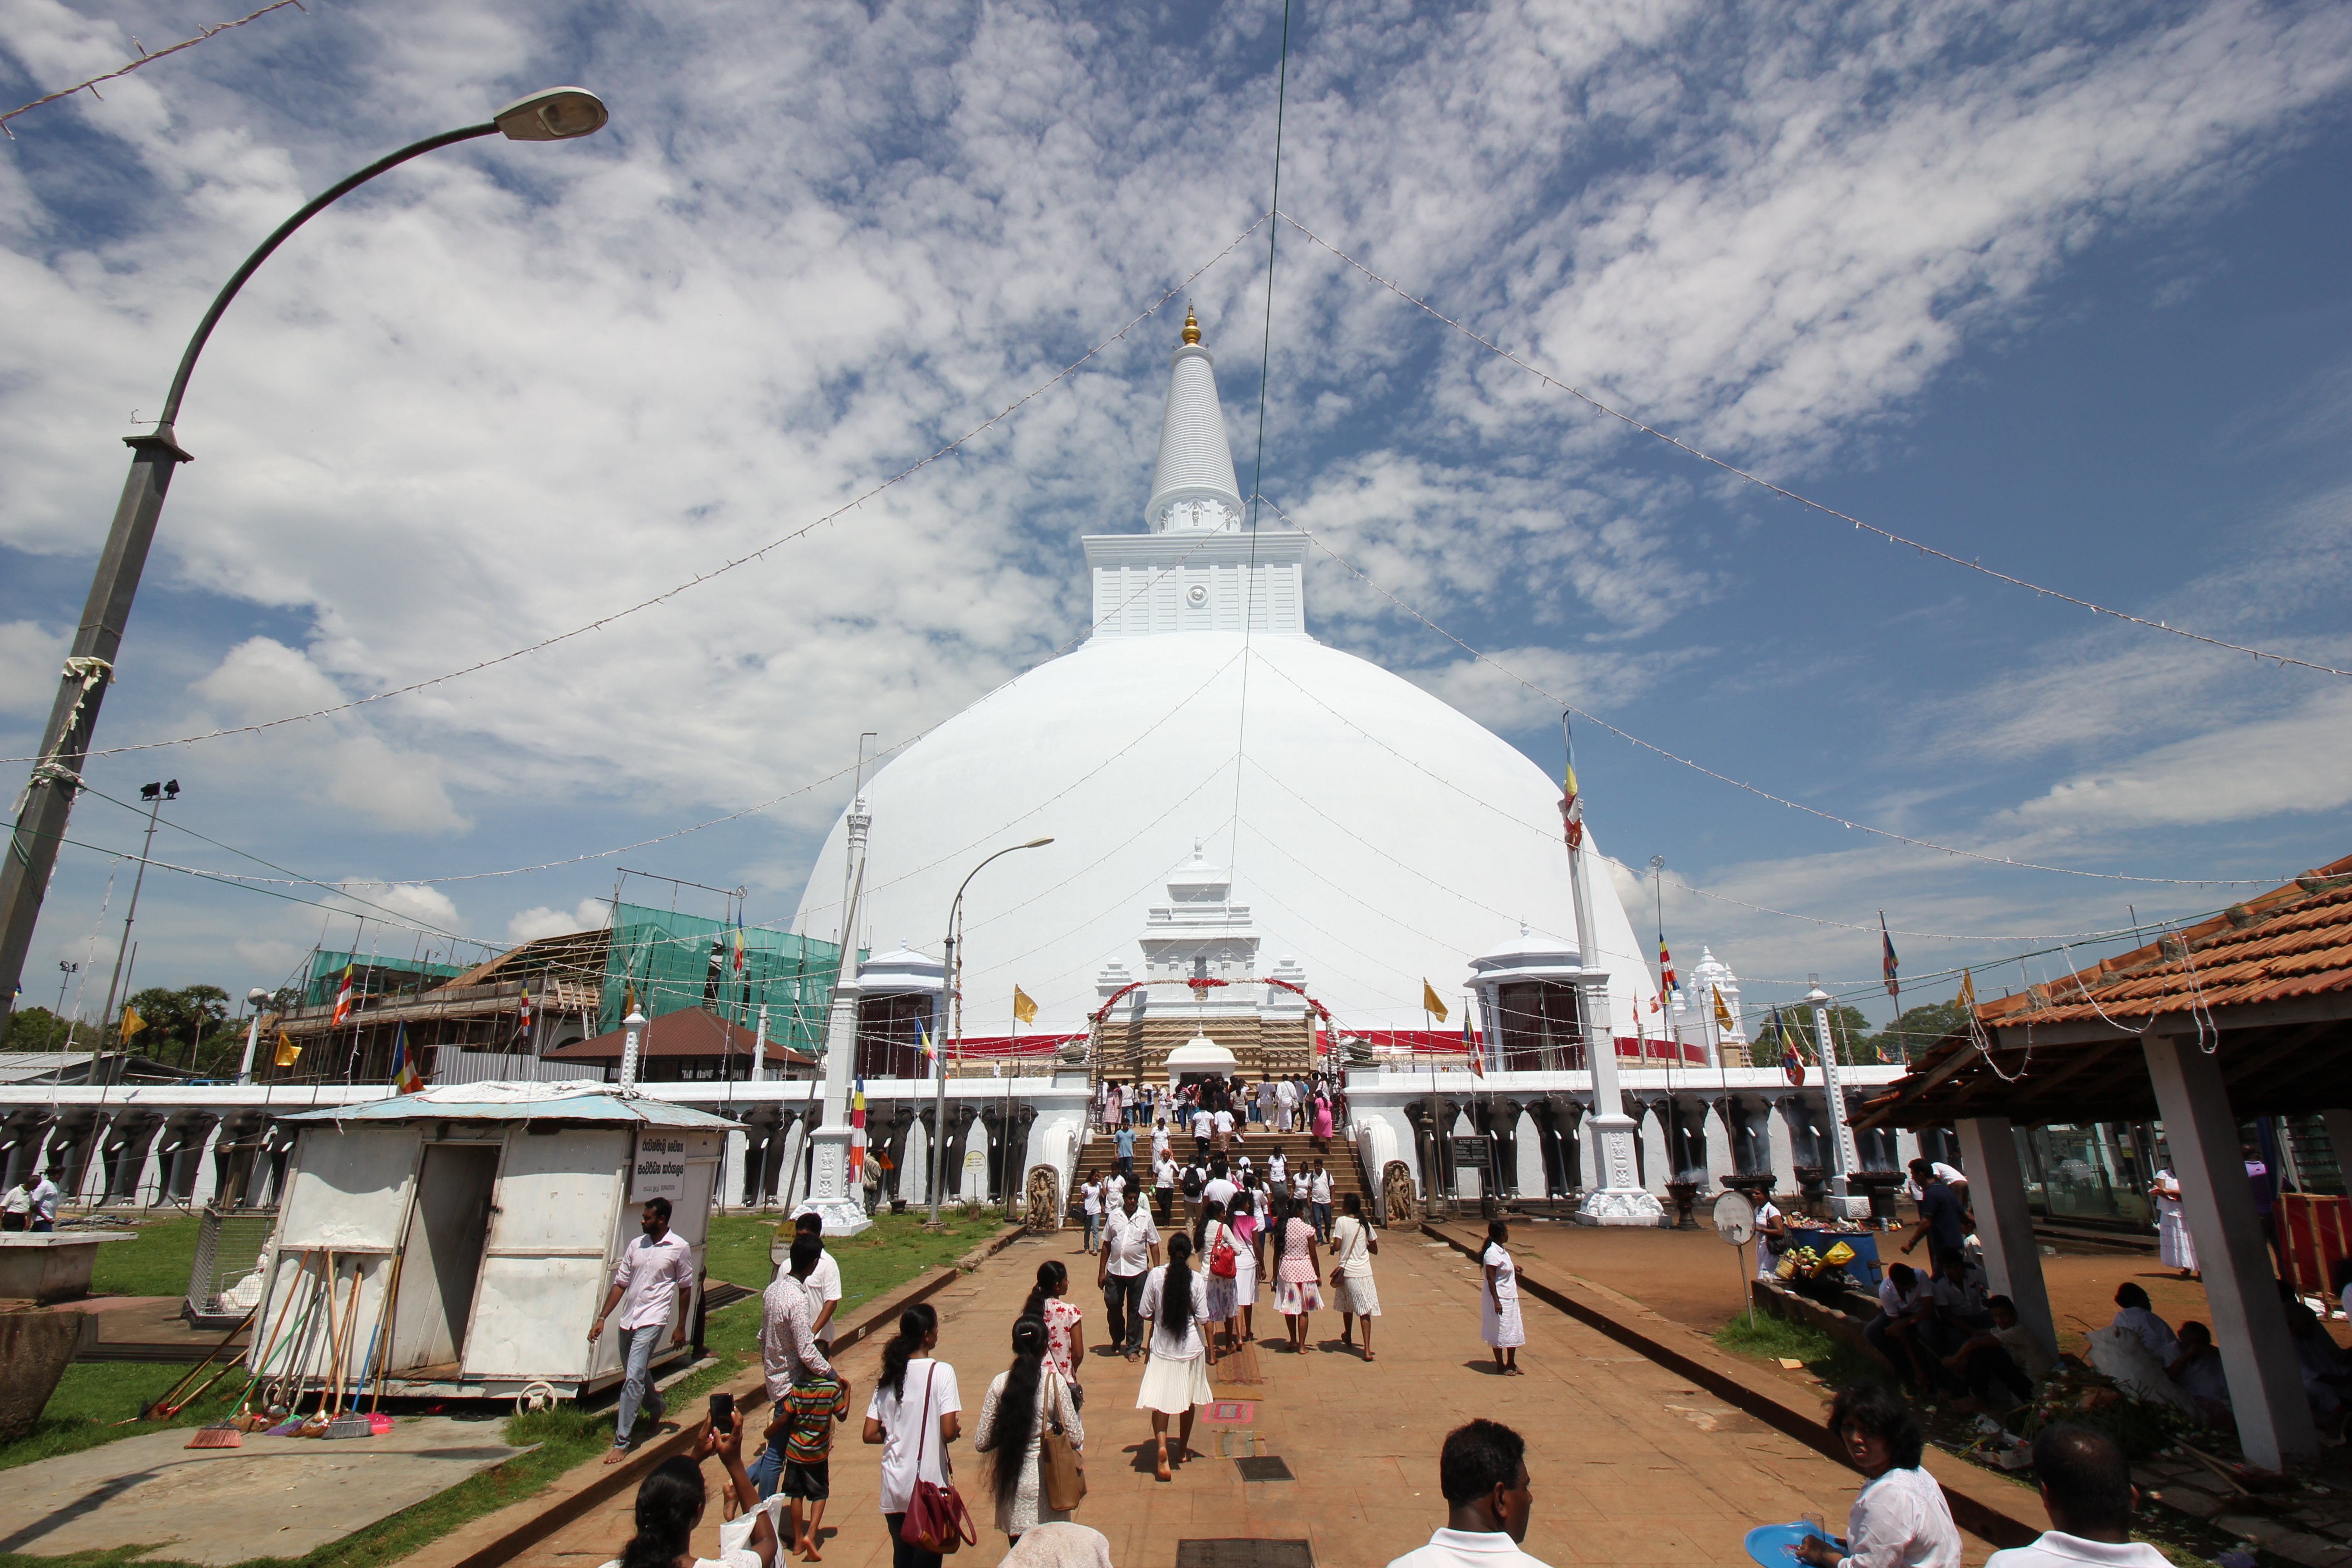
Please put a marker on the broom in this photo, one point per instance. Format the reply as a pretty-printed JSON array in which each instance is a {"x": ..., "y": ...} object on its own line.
[
  {"x": 352, "y": 1425},
  {"x": 391, "y": 1325},
  {"x": 299, "y": 1356},
  {"x": 173, "y": 1400},
  {"x": 269, "y": 1346}
]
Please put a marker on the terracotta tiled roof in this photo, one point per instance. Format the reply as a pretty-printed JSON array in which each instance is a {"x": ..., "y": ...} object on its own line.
[{"x": 2296, "y": 940}]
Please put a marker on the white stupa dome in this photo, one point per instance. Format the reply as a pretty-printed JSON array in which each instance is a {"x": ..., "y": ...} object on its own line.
[{"x": 1377, "y": 836}]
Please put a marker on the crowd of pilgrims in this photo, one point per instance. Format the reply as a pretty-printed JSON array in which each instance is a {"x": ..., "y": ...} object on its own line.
[{"x": 1302, "y": 1103}]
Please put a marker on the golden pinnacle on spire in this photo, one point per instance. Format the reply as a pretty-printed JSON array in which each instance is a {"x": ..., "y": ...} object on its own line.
[{"x": 1191, "y": 326}]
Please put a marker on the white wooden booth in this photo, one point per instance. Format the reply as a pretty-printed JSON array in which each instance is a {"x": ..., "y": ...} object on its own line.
[{"x": 458, "y": 1241}]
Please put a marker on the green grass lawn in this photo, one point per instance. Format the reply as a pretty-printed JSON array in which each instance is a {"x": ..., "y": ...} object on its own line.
[
  {"x": 1776, "y": 1339},
  {"x": 896, "y": 1250}
]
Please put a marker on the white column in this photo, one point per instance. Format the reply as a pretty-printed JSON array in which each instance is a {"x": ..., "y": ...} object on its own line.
[
  {"x": 831, "y": 1196},
  {"x": 1841, "y": 1161},
  {"x": 760, "y": 1048},
  {"x": 1778, "y": 1147},
  {"x": 634, "y": 1031},
  {"x": 1997, "y": 1192},
  {"x": 2274, "y": 1423},
  {"x": 1619, "y": 1197}
]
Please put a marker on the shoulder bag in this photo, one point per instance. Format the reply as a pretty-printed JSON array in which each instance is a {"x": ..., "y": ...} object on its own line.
[
  {"x": 936, "y": 1520},
  {"x": 1222, "y": 1261},
  {"x": 1061, "y": 1472}
]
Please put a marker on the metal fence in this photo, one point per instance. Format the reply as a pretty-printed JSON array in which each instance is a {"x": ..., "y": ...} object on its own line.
[{"x": 225, "y": 1284}]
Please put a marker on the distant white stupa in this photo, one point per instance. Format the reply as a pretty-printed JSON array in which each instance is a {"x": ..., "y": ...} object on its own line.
[{"x": 1382, "y": 838}]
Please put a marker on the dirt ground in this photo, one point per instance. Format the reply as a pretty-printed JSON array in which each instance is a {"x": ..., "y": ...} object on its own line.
[{"x": 1690, "y": 1275}]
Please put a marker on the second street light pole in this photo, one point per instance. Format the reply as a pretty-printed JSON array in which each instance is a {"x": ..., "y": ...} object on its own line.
[
  {"x": 558, "y": 114},
  {"x": 954, "y": 1000}
]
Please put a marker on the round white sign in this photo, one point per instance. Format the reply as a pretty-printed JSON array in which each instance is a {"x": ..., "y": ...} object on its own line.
[{"x": 1735, "y": 1218}]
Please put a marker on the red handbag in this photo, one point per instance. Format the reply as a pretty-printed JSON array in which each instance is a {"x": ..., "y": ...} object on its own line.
[
  {"x": 1221, "y": 1262},
  {"x": 936, "y": 1521}
]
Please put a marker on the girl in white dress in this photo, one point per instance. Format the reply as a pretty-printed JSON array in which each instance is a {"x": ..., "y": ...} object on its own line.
[
  {"x": 1498, "y": 1303},
  {"x": 1250, "y": 1224},
  {"x": 2178, "y": 1247},
  {"x": 1177, "y": 1379}
]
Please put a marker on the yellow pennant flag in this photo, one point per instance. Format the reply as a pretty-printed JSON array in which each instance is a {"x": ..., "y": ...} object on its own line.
[
  {"x": 1023, "y": 1010},
  {"x": 1430, "y": 1002},
  {"x": 1722, "y": 1013},
  {"x": 132, "y": 1023},
  {"x": 1968, "y": 990},
  {"x": 287, "y": 1049}
]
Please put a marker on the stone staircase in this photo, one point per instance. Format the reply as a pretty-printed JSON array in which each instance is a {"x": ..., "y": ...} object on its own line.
[{"x": 1100, "y": 1153}]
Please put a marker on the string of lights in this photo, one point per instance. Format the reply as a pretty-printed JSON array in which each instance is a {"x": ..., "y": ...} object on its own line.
[
  {"x": 724, "y": 567},
  {"x": 1783, "y": 491},
  {"x": 1634, "y": 739}
]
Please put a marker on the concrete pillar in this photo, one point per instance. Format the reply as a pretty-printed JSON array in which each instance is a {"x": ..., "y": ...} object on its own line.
[
  {"x": 1997, "y": 1192},
  {"x": 2274, "y": 1424},
  {"x": 1780, "y": 1154}
]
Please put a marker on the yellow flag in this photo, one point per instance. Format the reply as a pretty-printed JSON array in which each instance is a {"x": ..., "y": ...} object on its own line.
[
  {"x": 132, "y": 1023},
  {"x": 1430, "y": 1002},
  {"x": 1023, "y": 1010},
  {"x": 1968, "y": 990},
  {"x": 287, "y": 1049},
  {"x": 1722, "y": 1013}
]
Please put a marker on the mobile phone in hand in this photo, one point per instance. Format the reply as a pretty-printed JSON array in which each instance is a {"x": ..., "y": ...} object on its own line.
[{"x": 722, "y": 1412}]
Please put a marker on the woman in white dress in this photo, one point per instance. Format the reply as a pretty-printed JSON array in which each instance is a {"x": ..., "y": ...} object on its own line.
[
  {"x": 1024, "y": 1399},
  {"x": 1352, "y": 1246},
  {"x": 1218, "y": 1289},
  {"x": 1498, "y": 1303},
  {"x": 1177, "y": 1378},
  {"x": 1250, "y": 1266},
  {"x": 2178, "y": 1247}
]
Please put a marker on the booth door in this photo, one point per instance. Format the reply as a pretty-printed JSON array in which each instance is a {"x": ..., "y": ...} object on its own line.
[{"x": 544, "y": 1270}]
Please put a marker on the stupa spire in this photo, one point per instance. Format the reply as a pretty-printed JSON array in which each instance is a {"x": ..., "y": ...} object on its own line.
[{"x": 1193, "y": 486}]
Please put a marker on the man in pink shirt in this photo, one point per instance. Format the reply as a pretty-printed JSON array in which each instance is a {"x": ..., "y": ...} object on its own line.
[{"x": 654, "y": 1268}]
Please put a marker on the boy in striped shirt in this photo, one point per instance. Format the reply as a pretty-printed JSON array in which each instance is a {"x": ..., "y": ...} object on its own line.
[{"x": 807, "y": 1413}]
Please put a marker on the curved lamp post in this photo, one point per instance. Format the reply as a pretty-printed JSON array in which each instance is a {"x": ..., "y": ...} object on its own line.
[
  {"x": 954, "y": 1000},
  {"x": 558, "y": 114}
]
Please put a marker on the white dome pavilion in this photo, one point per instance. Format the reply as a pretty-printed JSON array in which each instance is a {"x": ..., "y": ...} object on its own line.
[{"x": 1375, "y": 834}]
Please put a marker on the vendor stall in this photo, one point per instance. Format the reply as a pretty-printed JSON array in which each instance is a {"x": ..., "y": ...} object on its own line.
[{"x": 457, "y": 1241}]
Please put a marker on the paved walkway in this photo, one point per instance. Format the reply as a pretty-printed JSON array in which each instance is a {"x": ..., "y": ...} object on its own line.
[{"x": 1629, "y": 1464}]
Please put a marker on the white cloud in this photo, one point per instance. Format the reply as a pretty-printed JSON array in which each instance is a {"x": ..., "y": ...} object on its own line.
[
  {"x": 30, "y": 657},
  {"x": 530, "y": 925}
]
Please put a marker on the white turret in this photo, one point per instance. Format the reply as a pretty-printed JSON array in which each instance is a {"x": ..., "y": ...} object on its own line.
[
  {"x": 1196, "y": 568},
  {"x": 1193, "y": 486}
]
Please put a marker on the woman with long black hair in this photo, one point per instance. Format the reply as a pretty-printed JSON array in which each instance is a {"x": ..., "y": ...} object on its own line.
[
  {"x": 1177, "y": 1378},
  {"x": 1296, "y": 1293},
  {"x": 670, "y": 1503},
  {"x": 1021, "y": 1402},
  {"x": 1210, "y": 1233},
  {"x": 913, "y": 1389},
  {"x": 1066, "y": 1341}
]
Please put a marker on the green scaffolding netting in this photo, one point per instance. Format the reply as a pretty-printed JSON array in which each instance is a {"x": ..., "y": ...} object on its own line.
[
  {"x": 372, "y": 974},
  {"x": 666, "y": 960}
]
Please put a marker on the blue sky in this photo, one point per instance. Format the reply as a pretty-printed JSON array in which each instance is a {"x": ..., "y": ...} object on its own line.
[{"x": 2059, "y": 287}]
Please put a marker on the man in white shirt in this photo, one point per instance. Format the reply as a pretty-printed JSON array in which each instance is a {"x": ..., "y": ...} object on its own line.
[
  {"x": 1950, "y": 1175},
  {"x": 1163, "y": 1185},
  {"x": 1220, "y": 1188},
  {"x": 44, "y": 1199},
  {"x": 1161, "y": 1142},
  {"x": 1906, "y": 1300},
  {"x": 2087, "y": 1491},
  {"x": 1277, "y": 1169},
  {"x": 1224, "y": 1128},
  {"x": 16, "y": 1208},
  {"x": 1090, "y": 1195},
  {"x": 1286, "y": 1105},
  {"x": 654, "y": 1268},
  {"x": 1319, "y": 1193},
  {"x": 1483, "y": 1471},
  {"x": 823, "y": 1281},
  {"x": 1131, "y": 1251}
]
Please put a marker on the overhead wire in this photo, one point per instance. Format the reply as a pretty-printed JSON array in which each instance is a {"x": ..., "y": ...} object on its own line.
[
  {"x": 726, "y": 566},
  {"x": 1783, "y": 491},
  {"x": 1634, "y": 739}
]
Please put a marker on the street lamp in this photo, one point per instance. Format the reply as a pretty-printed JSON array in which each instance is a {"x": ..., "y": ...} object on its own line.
[
  {"x": 955, "y": 1002},
  {"x": 558, "y": 114}
]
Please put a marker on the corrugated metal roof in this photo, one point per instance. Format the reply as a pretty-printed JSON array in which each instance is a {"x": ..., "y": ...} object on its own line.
[{"x": 502, "y": 1101}]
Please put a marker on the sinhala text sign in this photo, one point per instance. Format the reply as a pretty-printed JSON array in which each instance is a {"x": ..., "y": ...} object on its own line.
[{"x": 659, "y": 1168}]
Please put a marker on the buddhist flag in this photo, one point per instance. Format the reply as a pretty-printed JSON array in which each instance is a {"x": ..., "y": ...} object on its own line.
[
  {"x": 931, "y": 1044},
  {"x": 1886, "y": 959},
  {"x": 1024, "y": 1011},
  {"x": 1571, "y": 810},
  {"x": 1666, "y": 981},
  {"x": 344, "y": 999},
  {"x": 288, "y": 1051},
  {"x": 523, "y": 1020},
  {"x": 858, "y": 1132},
  {"x": 132, "y": 1023},
  {"x": 1722, "y": 1013},
  {"x": 738, "y": 944},
  {"x": 405, "y": 1078}
]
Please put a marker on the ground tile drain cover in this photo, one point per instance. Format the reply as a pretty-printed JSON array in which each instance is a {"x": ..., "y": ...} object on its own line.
[
  {"x": 1244, "y": 1552},
  {"x": 1265, "y": 1467}
]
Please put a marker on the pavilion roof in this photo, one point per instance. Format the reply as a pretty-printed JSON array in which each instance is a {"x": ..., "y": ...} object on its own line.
[{"x": 2266, "y": 984}]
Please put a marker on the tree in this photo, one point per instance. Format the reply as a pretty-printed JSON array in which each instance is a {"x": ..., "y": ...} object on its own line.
[
  {"x": 1909, "y": 1037},
  {"x": 174, "y": 1020},
  {"x": 38, "y": 1029},
  {"x": 1848, "y": 1033}
]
